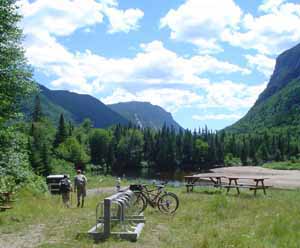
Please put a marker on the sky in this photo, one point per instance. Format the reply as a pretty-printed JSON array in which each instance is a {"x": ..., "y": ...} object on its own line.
[{"x": 205, "y": 61}]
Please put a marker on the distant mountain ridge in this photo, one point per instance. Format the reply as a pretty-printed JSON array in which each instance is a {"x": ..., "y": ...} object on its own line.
[
  {"x": 144, "y": 114},
  {"x": 278, "y": 106},
  {"x": 75, "y": 107}
]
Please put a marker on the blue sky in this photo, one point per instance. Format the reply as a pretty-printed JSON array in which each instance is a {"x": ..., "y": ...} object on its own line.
[{"x": 205, "y": 61}]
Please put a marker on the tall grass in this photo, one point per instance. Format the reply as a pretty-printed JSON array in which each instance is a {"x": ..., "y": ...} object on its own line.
[{"x": 205, "y": 218}]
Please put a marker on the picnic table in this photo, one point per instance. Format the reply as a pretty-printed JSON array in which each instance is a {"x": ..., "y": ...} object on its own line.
[
  {"x": 226, "y": 181},
  {"x": 212, "y": 178},
  {"x": 5, "y": 199},
  {"x": 258, "y": 183}
]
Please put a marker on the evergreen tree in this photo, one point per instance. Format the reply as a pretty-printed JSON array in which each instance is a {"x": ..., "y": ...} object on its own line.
[
  {"x": 37, "y": 111},
  {"x": 61, "y": 134}
]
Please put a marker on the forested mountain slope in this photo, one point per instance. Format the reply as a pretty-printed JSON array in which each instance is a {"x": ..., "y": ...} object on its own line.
[
  {"x": 76, "y": 107},
  {"x": 278, "y": 106}
]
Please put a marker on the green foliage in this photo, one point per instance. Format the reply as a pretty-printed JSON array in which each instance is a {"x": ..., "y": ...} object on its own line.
[
  {"x": 230, "y": 160},
  {"x": 61, "y": 166},
  {"x": 72, "y": 151},
  {"x": 37, "y": 111},
  {"x": 15, "y": 169},
  {"x": 99, "y": 142},
  {"x": 62, "y": 132},
  {"x": 286, "y": 165},
  {"x": 130, "y": 149},
  {"x": 15, "y": 74},
  {"x": 40, "y": 146}
]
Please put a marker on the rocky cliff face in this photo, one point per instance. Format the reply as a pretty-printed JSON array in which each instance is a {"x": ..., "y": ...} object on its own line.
[
  {"x": 144, "y": 114},
  {"x": 278, "y": 106},
  {"x": 287, "y": 68}
]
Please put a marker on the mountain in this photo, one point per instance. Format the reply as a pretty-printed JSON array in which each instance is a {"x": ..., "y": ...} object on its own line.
[
  {"x": 278, "y": 106},
  {"x": 76, "y": 107},
  {"x": 144, "y": 114}
]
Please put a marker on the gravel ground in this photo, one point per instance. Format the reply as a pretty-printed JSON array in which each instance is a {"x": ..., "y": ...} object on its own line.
[{"x": 276, "y": 178}]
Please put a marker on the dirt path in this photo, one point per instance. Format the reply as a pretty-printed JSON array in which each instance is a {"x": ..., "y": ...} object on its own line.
[
  {"x": 276, "y": 178},
  {"x": 29, "y": 238},
  {"x": 34, "y": 235}
]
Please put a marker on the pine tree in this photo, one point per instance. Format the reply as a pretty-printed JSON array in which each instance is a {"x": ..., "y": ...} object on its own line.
[
  {"x": 37, "y": 111},
  {"x": 61, "y": 134}
]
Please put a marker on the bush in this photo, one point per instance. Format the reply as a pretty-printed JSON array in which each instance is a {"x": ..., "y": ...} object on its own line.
[
  {"x": 60, "y": 166},
  {"x": 15, "y": 170},
  {"x": 229, "y": 160}
]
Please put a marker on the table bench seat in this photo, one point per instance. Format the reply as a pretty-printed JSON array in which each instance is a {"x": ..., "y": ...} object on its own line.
[{"x": 4, "y": 208}]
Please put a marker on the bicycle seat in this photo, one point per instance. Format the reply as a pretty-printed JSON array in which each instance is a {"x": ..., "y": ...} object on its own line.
[{"x": 160, "y": 186}]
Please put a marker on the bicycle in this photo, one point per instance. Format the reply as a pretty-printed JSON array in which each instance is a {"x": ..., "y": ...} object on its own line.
[{"x": 166, "y": 202}]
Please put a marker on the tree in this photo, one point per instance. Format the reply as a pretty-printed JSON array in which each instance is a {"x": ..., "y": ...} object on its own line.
[
  {"x": 62, "y": 133},
  {"x": 37, "y": 111},
  {"x": 15, "y": 75},
  {"x": 130, "y": 149},
  {"x": 200, "y": 152},
  {"x": 72, "y": 151},
  {"x": 99, "y": 141}
]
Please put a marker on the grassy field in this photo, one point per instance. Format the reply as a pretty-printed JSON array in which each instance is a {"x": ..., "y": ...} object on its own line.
[
  {"x": 205, "y": 218},
  {"x": 286, "y": 165}
]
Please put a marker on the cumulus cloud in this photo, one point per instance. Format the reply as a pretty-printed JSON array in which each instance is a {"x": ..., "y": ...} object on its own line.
[
  {"x": 224, "y": 95},
  {"x": 63, "y": 17},
  {"x": 154, "y": 64},
  {"x": 123, "y": 20},
  {"x": 261, "y": 63},
  {"x": 270, "y": 33},
  {"x": 231, "y": 96},
  {"x": 217, "y": 117},
  {"x": 206, "y": 26},
  {"x": 168, "y": 98},
  {"x": 202, "y": 22}
]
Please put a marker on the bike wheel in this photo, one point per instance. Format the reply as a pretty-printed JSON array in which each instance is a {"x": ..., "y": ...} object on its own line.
[
  {"x": 140, "y": 204},
  {"x": 168, "y": 203}
]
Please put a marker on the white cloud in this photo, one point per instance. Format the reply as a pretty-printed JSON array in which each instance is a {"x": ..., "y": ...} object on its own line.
[
  {"x": 169, "y": 99},
  {"x": 270, "y": 33},
  {"x": 201, "y": 22},
  {"x": 224, "y": 95},
  {"x": 270, "y": 5},
  {"x": 262, "y": 63},
  {"x": 231, "y": 96},
  {"x": 63, "y": 17},
  {"x": 123, "y": 20},
  {"x": 209, "y": 23},
  {"x": 59, "y": 17},
  {"x": 217, "y": 117},
  {"x": 154, "y": 64}
]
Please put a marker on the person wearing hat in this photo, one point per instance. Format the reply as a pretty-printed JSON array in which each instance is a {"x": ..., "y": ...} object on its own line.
[{"x": 80, "y": 182}]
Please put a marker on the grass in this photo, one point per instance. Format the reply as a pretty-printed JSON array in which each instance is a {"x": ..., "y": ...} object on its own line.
[
  {"x": 108, "y": 181},
  {"x": 286, "y": 165},
  {"x": 205, "y": 218}
]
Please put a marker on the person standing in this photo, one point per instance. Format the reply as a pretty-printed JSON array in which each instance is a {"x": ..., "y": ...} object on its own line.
[
  {"x": 80, "y": 182},
  {"x": 65, "y": 188},
  {"x": 118, "y": 184}
]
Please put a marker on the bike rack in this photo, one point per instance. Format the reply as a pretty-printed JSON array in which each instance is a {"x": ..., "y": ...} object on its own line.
[{"x": 117, "y": 217}]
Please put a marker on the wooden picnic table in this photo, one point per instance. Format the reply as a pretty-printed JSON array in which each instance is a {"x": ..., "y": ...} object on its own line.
[
  {"x": 5, "y": 199},
  {"x": 235, "y": 183},
  {"x": 219, "y": 180},
  {"x": 193, "y": 179}
]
